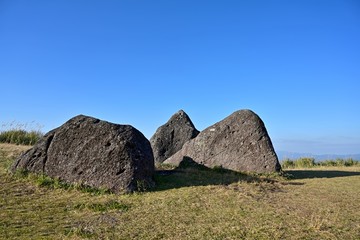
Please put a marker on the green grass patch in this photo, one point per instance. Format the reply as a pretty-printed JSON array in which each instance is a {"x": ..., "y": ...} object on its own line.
[{"x": 42, "y": 180}]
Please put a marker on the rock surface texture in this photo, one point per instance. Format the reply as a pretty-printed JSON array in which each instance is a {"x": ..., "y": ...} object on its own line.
[
  {"x": 240, "y": 142},
  {"x": 92, "y": 152},
  {"x": 170, "y": 137}
]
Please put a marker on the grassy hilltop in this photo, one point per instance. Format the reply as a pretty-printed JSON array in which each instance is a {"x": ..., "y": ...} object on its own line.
[{"x": 189, "y": 203}]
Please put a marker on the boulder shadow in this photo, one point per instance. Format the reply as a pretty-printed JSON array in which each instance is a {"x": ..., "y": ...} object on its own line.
[
  {"x": 189, "y": 173},
  {"x": 305, "y": 174}
]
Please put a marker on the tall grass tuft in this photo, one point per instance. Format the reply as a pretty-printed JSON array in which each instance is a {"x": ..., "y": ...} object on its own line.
[
  {"x": 20, "y": 137},
  {"x": 20, "y": 134},
  {"x": 310, "y": 162},
  {"x": 339, "y": 162}
]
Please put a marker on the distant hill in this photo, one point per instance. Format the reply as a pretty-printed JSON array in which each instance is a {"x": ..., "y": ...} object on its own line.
[{"x": 292, "y": 155}]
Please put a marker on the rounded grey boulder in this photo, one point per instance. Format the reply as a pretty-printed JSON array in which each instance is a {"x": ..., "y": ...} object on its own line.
[
  {"x": 96, "y": 153},
  {"x": 240, "y": 142},
  {"x": 170, "y": 137}
]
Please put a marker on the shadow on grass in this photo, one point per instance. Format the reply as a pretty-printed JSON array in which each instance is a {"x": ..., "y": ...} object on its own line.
[
  {"x": 303, "y": 174},
  {"x": 190, "y": 173}
]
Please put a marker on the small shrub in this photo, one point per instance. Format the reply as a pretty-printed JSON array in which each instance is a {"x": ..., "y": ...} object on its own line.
[
  {"x": 287, "y": 163},
  {"x": 305, "y": 162},
  {"x": 340, "y": 162},
  {"x": 45, "y": 181},
  {"x": 350, "y": 162}
]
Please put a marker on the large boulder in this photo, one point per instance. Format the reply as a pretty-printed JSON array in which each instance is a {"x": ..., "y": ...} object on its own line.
[
  {"x": 170, "y": 137},
  {"x": 240, "y": 142},
  {"x": 96, "y": 153}
]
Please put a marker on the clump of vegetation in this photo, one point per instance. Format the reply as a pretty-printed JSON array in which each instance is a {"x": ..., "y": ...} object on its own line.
[
  {"x": 20, "y": 134},
  {"x": 20, "y": 137},
  {"x": 298, "y": 163},
  {"x": 339, "y": 162},
  {"x": 310, "y": 162}
]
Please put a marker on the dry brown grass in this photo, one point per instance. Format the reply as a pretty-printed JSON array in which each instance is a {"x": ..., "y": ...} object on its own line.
[
  {"x": 12, "y": 150},
  {"x": 190, "y": 204}
]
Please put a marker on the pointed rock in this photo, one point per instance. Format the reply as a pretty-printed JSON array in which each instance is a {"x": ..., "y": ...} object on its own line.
[
  {"x": 92, "y": 152},
  {"x": 240, "y": 142},
  {"x": 170, "y": 137}
]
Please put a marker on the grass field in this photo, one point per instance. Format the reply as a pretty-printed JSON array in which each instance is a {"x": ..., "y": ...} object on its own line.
[{"x": 318, "y": 203}]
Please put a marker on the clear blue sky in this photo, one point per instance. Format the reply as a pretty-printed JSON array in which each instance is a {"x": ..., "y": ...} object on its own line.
[{"x": 295, "y": 63}]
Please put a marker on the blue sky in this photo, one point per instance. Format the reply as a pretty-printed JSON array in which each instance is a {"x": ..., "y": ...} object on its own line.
[{"x": 295, "y": 63}]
